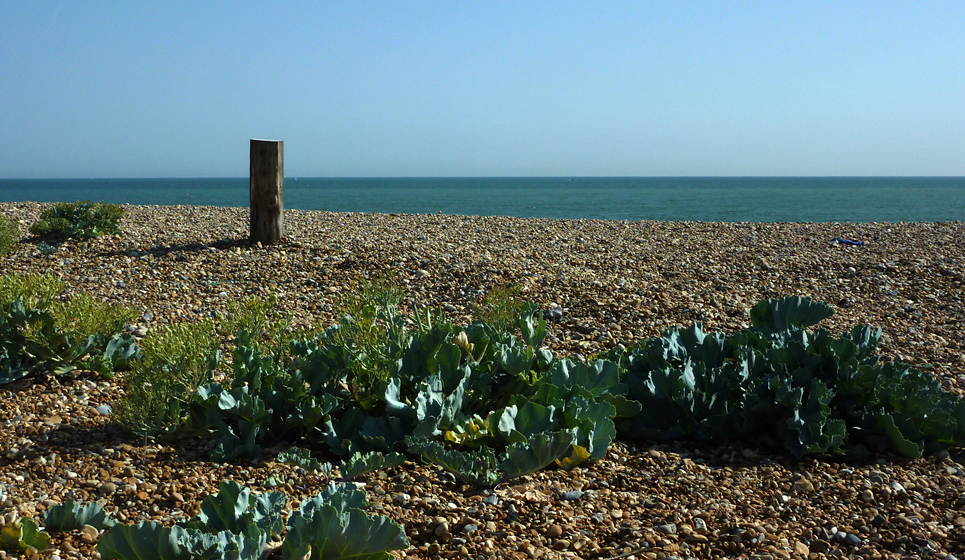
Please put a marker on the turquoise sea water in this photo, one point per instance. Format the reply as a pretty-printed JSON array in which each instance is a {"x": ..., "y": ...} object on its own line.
[{"x": 730, "y": 199}]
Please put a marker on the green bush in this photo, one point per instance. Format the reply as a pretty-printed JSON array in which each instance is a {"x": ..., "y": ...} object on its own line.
[
  {"x": 9, "y": 235},
  {"x": 259, "y": 320},
  {"x": 78, "y": 220},
  {"x": 80, "y": 316},
  {"x": 786, "y": 384},
  {"x": 39, "y": 330},
  {"x": 500, "y": 308},
  {"x": 370, "y": 329},
  {"x": 34, "y": 290},
  {"x": 84, "y": 316},
  {"x": 176, "y": 361}
]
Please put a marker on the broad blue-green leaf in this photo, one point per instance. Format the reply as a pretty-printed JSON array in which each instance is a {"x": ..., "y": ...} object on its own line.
[
  {"x": 359, "y": 464},
  {"x": 774, "y": 315},
  {"x": 381, "y": 433},
  {"x": 539, "y": 451},
  {"x": 598, "y": 377},
  {"x": 22, "y": 535},
  {"x": 593, "y": 422},
  {"x": 897, "y": 440},
  {"x": 149, "y": 541},
  {"x": 622, "y": 406},
  {"x": 446, "y": 363},
  {"x": 266, "y": 511},
  {"x": 533, "y": 418},
  {"x": 477, "y": 467},
  {"x": 516, "y": 360},
  {"x": 121, "y": 350},
  {"x": 342, "y": 432},
  {"x": 436, "y": 410},
  {"x": 231, "y": 446},
  {"x": 352, "y": 535},
  {"x": 225, "y": 510},
  {"x": 298, "y": 457},
  {"x": 533, "y": 328},
  {"x": 394, "y": 403},
  {"x": 342, "y": 497},
  {"x": 71, "y": 516}
]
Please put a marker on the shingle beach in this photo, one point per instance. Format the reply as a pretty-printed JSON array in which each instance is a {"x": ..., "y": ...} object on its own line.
[{"x": 610, "y": 282}]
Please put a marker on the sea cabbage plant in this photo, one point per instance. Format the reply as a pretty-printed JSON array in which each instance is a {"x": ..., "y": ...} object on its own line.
[
  {"x": 78, "y": 220},
  {"x": 237, "y": 523},
  {"x": 40, "y": 329},
  {"x": 490, "y": 407},
  {"x": 72, "y": 516},
  {"x": 784, "y": 383}
]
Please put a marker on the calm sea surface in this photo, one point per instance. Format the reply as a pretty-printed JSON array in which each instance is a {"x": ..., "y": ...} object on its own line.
[{"x": 729, "y": 199}]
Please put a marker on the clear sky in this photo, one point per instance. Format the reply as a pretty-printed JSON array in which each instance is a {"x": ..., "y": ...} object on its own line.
[{"x": 452, "y": 88}]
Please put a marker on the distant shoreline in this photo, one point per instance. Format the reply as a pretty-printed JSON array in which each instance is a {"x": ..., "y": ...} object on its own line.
[{"x": 755, "y": 199}]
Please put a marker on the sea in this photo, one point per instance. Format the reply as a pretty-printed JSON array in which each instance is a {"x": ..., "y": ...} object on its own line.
[{"x": 712, "y": 199}]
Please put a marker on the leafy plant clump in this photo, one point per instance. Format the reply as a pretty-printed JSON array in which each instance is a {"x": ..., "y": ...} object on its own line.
[
  {"x": 78, "y": 220},
  {"x": 371, "y": 329},
  {"x": 236, "y": 523},
  {"x": 475, "y": 400},
  {"x": 782, "y": 383},
  {"x": 9, "y": 235},
  {"x": 39, "y": 329},
  {"x": 71, "y": 516},
  {"x": 177, "y": 360},
  {"x": 500, "y": 308},
  {"x": 489, "y": 406}
]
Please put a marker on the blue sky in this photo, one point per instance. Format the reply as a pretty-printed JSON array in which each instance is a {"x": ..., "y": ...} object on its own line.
[{"x": 176, "y": 89}]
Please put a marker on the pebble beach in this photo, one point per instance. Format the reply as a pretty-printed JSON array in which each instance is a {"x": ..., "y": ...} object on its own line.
[{"x": 607, "y": 283}]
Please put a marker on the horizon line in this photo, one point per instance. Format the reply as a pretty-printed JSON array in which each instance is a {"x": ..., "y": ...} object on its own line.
[{"x": 498, "y": 177}]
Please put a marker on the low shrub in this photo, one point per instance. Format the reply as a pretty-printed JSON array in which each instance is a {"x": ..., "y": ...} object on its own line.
[
  {"x": 9, "y": 235},
  {"x": 785, "y": 384},
  {"x": 34, "y": 290},
  {"x": 232, "y": 523},
  {"x": 177, "y": 360},
  {"x": 258, "y": 320},
  {"x": 78, "y": 220},
  {"x": 371, "y": 329},
  {"x": 39, "y": 329},
  {"x": 500, "y": 308}
]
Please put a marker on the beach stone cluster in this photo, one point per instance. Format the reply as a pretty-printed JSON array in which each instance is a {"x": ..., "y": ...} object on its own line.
[{"x": 601, "y": 284}]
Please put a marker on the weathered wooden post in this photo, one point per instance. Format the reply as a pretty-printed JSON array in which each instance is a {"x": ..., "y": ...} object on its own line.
[{"x": 267, "y": 190}]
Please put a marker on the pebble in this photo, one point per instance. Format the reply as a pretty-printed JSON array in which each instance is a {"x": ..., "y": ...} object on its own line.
[
  {"x": 851, "y": 539},
  {"x": 106, "y": 489},
  {"x": 88, "y": 534}
]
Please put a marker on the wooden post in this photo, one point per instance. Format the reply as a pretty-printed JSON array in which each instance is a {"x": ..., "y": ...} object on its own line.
[{"x": 267, "y": 190}]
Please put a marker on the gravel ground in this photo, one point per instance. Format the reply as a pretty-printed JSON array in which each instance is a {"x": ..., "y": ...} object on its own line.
[{"x": 615, "y": 282}]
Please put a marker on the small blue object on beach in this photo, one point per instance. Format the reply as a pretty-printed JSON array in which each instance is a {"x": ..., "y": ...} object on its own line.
[{"x": 847, "y": 241}]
